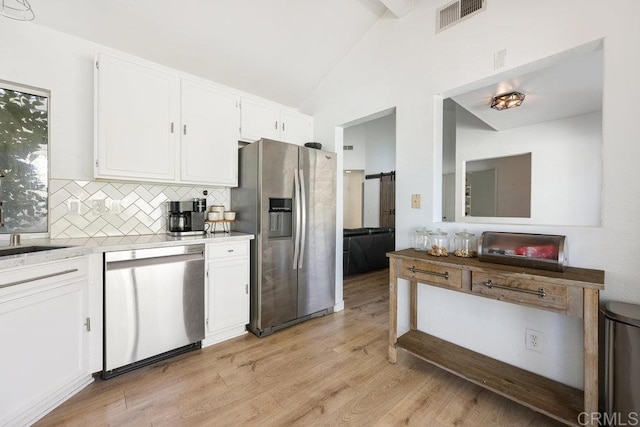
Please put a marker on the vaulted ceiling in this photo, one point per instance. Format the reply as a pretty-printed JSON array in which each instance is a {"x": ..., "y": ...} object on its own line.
[{"x": 277, "y": 49}]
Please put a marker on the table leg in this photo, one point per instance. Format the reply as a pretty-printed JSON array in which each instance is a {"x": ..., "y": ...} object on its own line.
[
  {"x": 590, "y": 315},
  {"x": 393, "y": 311},
  {"x": 413, "y": 305}
]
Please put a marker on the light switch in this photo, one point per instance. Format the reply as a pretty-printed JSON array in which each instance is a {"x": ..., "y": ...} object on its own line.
[
  {"x": 415, "y": 201},
  {"x": 74, "y": 207}
]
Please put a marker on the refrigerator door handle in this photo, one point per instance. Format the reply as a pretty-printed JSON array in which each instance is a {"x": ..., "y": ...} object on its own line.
[
  {"x": 296, "y": 235},
  {"x": 303, "y": 202}
]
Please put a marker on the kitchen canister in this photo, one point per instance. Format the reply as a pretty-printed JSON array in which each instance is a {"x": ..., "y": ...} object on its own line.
[
  {"x": 214, "y": 216},
  {"x": 421, "y": 239},
  {"x": 438, "y": 244},
  {"x": 465, "y": 244}
]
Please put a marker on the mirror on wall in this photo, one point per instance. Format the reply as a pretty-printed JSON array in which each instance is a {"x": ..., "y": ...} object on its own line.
[
  {"x": 553, "y": 140},
  {"x": 499, "y": 187}
]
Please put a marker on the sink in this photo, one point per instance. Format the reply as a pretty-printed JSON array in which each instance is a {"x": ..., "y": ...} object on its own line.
[{"x": 19, "y": 250}]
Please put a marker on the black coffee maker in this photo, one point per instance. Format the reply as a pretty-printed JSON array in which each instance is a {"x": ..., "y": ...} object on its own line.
[{"x": 185, "y": 218}]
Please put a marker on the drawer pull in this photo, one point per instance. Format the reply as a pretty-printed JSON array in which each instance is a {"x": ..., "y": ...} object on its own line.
[
  {"x": 540, "y": 292},
  {"x": 414, "y": 270},
  {"x": 33, "y": 279}
]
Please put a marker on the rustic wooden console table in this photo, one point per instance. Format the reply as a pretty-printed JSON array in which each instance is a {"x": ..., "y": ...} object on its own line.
[{"x": 574, "y": 292}]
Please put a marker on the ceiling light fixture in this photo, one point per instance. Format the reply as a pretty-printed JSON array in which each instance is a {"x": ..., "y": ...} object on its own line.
[
  {"x": 19, "y": 10},
  {"x": 507, "y": 100}
]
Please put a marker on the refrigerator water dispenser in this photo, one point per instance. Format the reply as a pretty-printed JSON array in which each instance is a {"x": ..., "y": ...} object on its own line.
[{"x": 280, "y": 217}]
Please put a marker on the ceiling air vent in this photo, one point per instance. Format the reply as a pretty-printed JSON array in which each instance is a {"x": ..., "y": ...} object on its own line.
[{"x": 456, "y": 11}]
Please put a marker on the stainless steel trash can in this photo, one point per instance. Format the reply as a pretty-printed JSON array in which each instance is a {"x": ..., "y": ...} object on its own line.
[{"x": 622, "y": 362}]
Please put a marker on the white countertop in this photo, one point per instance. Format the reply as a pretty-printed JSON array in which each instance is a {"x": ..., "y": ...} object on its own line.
[{"x": 84, "y": 246}]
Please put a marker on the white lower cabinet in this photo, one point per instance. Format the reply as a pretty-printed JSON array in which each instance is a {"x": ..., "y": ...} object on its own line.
[
  {"x": 227, "y": 291},
  {"x": 44, "y": 356},
  {"x": 95, "y": 301}
]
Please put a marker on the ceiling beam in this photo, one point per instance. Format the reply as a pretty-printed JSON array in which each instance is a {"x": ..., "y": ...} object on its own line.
[{"x": 399, "y": 8}]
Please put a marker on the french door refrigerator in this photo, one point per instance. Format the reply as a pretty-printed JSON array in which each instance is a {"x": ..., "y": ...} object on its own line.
[{"x": 286, "y": 197}]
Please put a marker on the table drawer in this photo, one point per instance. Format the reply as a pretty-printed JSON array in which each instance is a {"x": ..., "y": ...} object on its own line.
[
  {"x": 432, "y": 274},
  {"x": 538, "y": 293},
  {"x": 227, "y": 250}
]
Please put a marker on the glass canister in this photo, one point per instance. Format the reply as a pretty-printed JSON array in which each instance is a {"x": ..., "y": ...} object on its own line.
[
  {"x": 438, "y": 243},
  {"x": 421, "y": 239},
  {"x": 465, "y": 244}
]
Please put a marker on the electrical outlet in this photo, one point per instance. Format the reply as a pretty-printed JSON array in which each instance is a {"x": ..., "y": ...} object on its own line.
[
  {"x": 534, "y": 340},
  {"x": 415, "y": 201}
]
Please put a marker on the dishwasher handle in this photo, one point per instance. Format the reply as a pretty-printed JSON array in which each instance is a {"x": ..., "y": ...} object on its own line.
[{"x": 144, "y": 262}]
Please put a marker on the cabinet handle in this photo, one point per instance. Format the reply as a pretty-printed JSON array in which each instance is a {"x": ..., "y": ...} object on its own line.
[
  {"x": 246, "y": 289},
  {"x": 276, "y": 125},
  {"x": 87, "y": 323},
  {"x": 283, "y": 126},
  {"x": 230, "y": 250},
  {"x": 171, "y": 127},
  {"x": 540, "y": 292},
  {"x": 184, "y": 129},
  {"x": 33, "y": 279},
  {"x": 414, "y": 270}
]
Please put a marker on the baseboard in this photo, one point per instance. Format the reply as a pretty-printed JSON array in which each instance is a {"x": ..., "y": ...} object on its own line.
[
  {"x": 51, "y": 402},
  {"x": 223, "y": 335}
]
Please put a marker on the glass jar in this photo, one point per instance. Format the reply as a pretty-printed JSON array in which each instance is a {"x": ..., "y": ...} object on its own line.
[
  {"x": 421, "y": 239},
  {"x": 438, "y": 243},
  {"x": 465, "y": 244}
]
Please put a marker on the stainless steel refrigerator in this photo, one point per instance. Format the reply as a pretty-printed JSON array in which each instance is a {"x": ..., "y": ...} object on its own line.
[{"x": 286, "y": 197}]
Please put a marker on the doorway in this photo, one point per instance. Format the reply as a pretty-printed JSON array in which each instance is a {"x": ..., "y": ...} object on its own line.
[{"x": 370, "y": 148}]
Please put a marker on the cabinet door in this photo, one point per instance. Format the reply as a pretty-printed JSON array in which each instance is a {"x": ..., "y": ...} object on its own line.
[
  {"x": 259, "y": 120},
  {"x": 44, "y": 340},
  {"x": 209, "y": 135},
  {"x": 137, "y": 110},
  {"x": 228, "y": 294},
  {"x": 295, "y": 128}
]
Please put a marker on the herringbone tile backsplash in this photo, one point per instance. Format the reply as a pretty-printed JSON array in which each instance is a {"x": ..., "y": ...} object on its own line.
[{"x": 97, "y": 209}]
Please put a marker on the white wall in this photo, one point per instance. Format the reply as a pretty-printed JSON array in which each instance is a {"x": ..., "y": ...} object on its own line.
[
  {"x": 35, "y": 56},
  {"x": 402, "y": 63},
  {"x": 356, "y": 158}
]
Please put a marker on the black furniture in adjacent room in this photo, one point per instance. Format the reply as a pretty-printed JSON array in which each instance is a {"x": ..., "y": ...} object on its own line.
[{"x": 365, "y": 249}]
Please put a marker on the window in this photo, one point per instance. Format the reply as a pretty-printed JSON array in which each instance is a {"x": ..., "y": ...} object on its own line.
[{"x": 24, "y": 169}]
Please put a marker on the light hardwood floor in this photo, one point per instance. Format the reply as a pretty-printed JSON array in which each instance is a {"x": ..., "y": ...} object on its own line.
[{"x": 327, "y": 371}]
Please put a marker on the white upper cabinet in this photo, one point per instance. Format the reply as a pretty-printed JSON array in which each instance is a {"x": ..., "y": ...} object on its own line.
[
  {"x": 155, "y": 126},
  {"x": 136, "y": 107},
  {"x": 260, "y": 119},
  {"x": 296, "y": 128},
  {"x": 209, "y": 135}
]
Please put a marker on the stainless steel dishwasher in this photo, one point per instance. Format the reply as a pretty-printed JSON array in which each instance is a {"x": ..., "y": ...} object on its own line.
[{"x": 153, "y": 305}]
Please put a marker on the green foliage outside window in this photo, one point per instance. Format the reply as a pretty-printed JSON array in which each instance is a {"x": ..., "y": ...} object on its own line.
[{"x": 24, "y": 138}]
